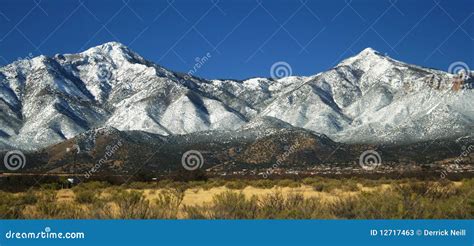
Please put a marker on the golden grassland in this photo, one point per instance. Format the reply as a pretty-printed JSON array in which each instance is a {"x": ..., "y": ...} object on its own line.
[{"x": 310, "y": 198}]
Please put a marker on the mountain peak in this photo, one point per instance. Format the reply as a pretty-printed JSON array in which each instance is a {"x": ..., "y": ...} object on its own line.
[
  {"x": 114, "y": 52},
  {"x": 109, "y": 48},
  {"x": 368, "y": 50},
  {"x": 110, "y": 45},
  {"x": 366, "y": 55}
]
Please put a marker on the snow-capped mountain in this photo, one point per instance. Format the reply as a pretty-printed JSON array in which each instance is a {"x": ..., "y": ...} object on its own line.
[
  {"x": 368, "y": 98},
  {"x": 371, "y": 98}
]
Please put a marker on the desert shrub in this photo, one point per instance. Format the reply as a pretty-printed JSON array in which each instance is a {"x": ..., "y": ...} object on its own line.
[
  {"x": 207, "y": 186},
  {"x": 318, "y": 187},
  {"x": 413, "y": 200},
  {"x": 233, "y": 205},
  {"x": 70, "y": 210},
  {"x": 217, "y": 182},
  {"x": 298, "y": 207},
  {"x": 263, "y": 184},
  {"x": 451, "y": 208},
  {"x": 47, "y": 207},
  {"x": 314, "y": 180},
  {"x": 409, "y": 202},
  {"x": 378, "y": 205},
  {"x": 294, "y": 200},
  {"x": 211, "y": 183},
  {"x": 308, "y": 181},
  {"x": 467, "y": 184},
  {"x": 92, "y": 185},
  {"x": 196, "y": 184},
  {"x": 271, "y": 205},
  {"x": 442, "y": 190},
  {"x": 196, "y": 212},
  {"x": 101, "y": 209},
  {"x": 141, "y": 185},
  {"x": 445, "y": 200},
  {"x": 293, "y": 206},
  {"x": 167, "y": 205},
  {"x": 350, "y": 185},
  {"x": 236, "y": 185},
  {"x": 334, "y": 185},
  {"x": 11, "y": 206},
  {"x": 164, "y": 183},
  {"x": 327, "y": 185},
  {"x": 416, "y": 188},
  {"x": 469, "y": 210},
  {"x": 132, "y": 205},
  {"x": 28, "y": 198},
  {"x": 183, "y": 186},
  {"x": 331, "y": 185},
  {"x": 50, "y": 186},
  {"x": 344, "y": 208},
  {"x": 373, "y": 183},
  {"x": 85, "y": 196},
  {"x": 288, "y": 183}
]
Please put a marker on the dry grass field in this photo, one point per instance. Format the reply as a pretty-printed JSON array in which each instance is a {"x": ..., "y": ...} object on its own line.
[{"x": 244, "y": 199}]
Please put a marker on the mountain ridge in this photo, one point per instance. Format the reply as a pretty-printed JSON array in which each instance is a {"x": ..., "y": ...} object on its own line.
[{"x": 47, "y": 100}]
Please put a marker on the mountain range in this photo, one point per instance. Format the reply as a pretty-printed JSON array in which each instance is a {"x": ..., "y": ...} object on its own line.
[{"x": 369, "y": 99}]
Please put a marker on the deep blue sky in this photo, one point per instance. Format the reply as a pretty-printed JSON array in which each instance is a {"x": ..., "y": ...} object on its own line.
[{"x": 243, "y": 37}]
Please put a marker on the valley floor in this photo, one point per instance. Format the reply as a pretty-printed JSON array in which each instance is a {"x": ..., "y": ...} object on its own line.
[{"x": 309, "y": 198}]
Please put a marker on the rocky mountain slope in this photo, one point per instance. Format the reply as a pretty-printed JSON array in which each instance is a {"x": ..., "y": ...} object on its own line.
[{"x": 277, "y": 146}]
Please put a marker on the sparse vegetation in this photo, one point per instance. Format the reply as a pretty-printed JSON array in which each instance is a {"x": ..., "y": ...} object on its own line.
[{"x": 247, "y": 199}]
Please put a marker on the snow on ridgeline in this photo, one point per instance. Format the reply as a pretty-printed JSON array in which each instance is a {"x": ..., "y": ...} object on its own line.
[{"x": 367, "y": 98}]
